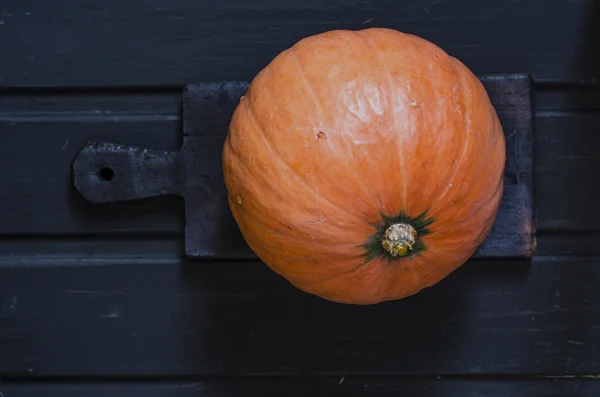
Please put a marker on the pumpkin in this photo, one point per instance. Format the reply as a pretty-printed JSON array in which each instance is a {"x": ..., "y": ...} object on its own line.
[{"x": 364, "y": 166}]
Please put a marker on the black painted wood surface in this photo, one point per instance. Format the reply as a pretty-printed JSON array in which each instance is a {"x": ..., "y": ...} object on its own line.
[
  {"x": 105, "y": 172},
  {"x": 150, "y": 317},
  {"x": 311, "y": 386},
  {"x": 153, "y": 43},
  {"x": 62, "y": 122},
  {"x": 102, "y": 303}
]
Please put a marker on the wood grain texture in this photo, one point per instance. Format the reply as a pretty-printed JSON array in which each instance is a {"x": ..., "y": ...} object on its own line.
[
  {"x": 61, "y": 123},
  {"x": 135, "y": 249},
  {"x": 175, "y": 42},
  {"x": 311, "y": 386},
  {"x": 235, "y": 318}
]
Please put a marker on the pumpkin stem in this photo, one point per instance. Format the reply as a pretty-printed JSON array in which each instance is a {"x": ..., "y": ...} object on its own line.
[{"x": 399, "y": 239}]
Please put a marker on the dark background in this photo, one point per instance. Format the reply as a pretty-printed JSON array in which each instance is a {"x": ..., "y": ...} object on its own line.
[{"x": 98, "y": 300}]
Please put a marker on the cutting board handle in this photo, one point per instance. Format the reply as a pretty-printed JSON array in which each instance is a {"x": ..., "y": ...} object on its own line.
[{"x": 108, "y": 172}]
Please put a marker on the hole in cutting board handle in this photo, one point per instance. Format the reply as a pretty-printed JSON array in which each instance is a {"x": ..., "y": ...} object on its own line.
[{"x": 106, "y": 174}]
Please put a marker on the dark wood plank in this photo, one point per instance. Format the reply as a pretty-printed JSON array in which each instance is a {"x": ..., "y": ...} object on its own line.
[
  {"x": 78, "y": 251},
  {"x": 561, "y": 242},
  {"x": 107, "y": 172},
  {"x": 175, "y": 42},
  {"x": 101, "y": 105},
  {"x": 92, "y": 250},
  {"x": 42, "y": 134},
  {"x": 310, "y": 386},
  {"x": 60, "y": 124},
  {"x": 513, "y": 232},
  {"x": 567, "y": 163},
  {"x": 235, "y": 318},
  {"x": 564, "y": 98}
]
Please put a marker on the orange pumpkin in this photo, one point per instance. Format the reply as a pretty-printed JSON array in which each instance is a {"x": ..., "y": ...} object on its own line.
[{"x": 364, "y": 166}]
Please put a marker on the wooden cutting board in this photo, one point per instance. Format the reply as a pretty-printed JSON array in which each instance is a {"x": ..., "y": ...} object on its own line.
[{"x": 105, "y": 172}]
